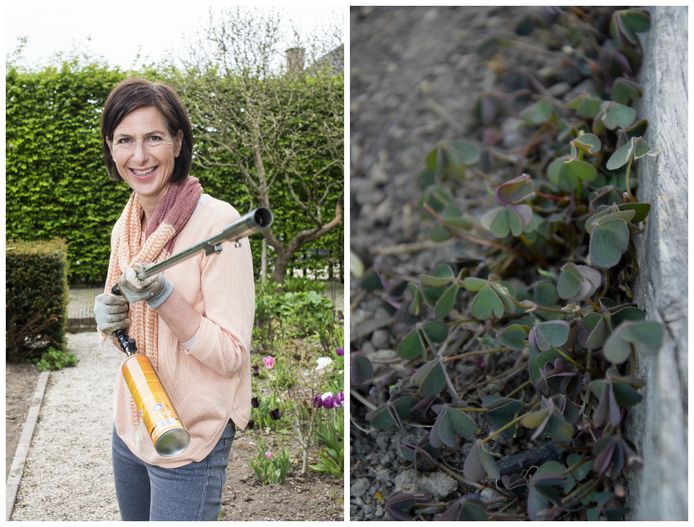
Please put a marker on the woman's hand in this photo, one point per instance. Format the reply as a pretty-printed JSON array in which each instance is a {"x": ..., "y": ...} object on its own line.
[
  {"x": 155, "y": 289},
  {"x": 111, "y": 313}
]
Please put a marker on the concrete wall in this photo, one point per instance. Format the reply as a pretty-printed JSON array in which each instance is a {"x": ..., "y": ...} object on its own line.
[{"x": 659, "y": 490}]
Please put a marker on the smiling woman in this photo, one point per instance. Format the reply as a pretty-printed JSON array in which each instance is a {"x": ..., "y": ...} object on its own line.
[{"x": 200, "y": 350}]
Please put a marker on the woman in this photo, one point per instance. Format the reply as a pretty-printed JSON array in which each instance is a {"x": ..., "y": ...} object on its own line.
[{"x": 194, "y": 321}]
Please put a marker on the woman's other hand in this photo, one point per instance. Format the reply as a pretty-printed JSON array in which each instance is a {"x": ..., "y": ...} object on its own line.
[
  {"x": 155, "y": 289},
  {"x": 111, "y": 313}
]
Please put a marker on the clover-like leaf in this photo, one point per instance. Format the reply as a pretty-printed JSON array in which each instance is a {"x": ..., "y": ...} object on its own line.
[
  {"x": 513, "y": 336},
  {"x": 502, "y": 221},
  {"x": 474, "y": 284},
  {"x": 411, "y": 346},
  {"x": 464, "y": 509},
  {"x": 642, "y": 336},
  {"x": 446, "y": 302},
  {"x": 537, "y": 113},
  {"x": 587, "y": 143},
  {"x": 361, "y": 369},
  {"x": 487, "y": 304},
  {"x": 430, "y": 377},
  {"x": 450, "y": 424},
  {"x": 607, "y": 410},
  {"x": 500, "y": 412},
  {"x": 515, "y": 190},
  {"x": 625, "y": 91},
  {"x": 574, "y": 170},
  {"x": 586, "y": 106},
  {"x": 399, "y": 505},
  {"x": 443, "y": 275},
  {"x": 553, "y": 333},
  {"x": 578, "y": 282},
  {"x": 479, "y": 464},
  {"x": 391, "y": 413},
  {"x": 621, "y": 156},
  {"x": 608, "y": 241},
  {"x": 617, "y": 115},
  {"x": 543, "y": 489}
]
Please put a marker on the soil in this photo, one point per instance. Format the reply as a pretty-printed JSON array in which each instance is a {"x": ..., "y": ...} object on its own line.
[{"x": 20, "y": 383}]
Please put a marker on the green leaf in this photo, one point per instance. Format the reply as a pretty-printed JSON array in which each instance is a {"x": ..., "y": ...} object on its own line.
[
  {"x": 515, "y": 190},
  {"x": 577, "y": 169},
  {"x": 464, "y": 153},
  {"x": 443, "y": 275},
  {"x": 535, "y": 419},
  {"x": 626, "y": 395},
  {"x": 487, "y": 304},
  {"x": 621, "y": 156},
  {"x": 436, "y": 331},
  {"x": 641, "y": 210},
  {"x": 447, "y": 301},
  {"x": 588, "y": 143},
  {"x": 641, "y": 148},
  {"x": 598, "y": 334},
  {"x": 382, "y": 417},
  {"x": 513, "y": 336},
  {"x": 570, "y": 280},
  {"x": 608, "y": 241},
  {"x": 431, "y": 378},
  {"x": 625, "y": 91},
  {"x": 462, "y": 423},
  {"x": 538, "y": 113},
  {"x": 618, "y": 116},
  {"x": 450, "y": 424},
  {"x": 645, "y": 335},
  {"x": 553, "y": 333},
  {"x": 559, "y": 428},
  {"x": 411, "y": 346},
  {"x": 474, "y": 284},
  {"x": 586, "y": 106}
]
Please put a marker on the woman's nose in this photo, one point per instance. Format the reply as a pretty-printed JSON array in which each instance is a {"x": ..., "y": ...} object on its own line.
[{"x": 140, "y": 153}]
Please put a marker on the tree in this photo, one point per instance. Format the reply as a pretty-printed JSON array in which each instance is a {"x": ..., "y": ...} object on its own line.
[{"x": 279, "y": 131}]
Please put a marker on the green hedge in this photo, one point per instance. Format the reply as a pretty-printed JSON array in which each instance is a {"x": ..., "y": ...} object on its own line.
[
  {"x": 36, "y": 298},
  {"x": 56, "y": 183}
]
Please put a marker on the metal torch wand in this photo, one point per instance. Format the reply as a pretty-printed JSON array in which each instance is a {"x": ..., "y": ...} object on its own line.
[{"x": 165, "y": 428}]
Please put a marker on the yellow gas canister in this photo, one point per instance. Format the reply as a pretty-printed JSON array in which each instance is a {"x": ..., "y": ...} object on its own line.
[{"x": 159, "y": 416}]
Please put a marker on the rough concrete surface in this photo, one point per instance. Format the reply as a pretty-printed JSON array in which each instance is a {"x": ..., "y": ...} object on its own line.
[{"x": 661, "y": 423}]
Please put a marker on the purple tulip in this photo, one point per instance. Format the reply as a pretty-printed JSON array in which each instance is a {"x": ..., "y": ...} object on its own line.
[
  {"x": 255, "y": 402},
  {"x": 328, "y": 401},
  {"x": 275, "y": 414},
  {"x": 339, "y": 399},
  {"x": 317, "y": 401},
  {"x": 340, "y": 352}
]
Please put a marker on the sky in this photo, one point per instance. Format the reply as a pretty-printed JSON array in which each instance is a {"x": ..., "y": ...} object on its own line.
[{"x": 119, "y": 31}]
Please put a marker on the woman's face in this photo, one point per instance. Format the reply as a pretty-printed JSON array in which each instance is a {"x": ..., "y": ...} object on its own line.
[{"x": 145, "y": 152}]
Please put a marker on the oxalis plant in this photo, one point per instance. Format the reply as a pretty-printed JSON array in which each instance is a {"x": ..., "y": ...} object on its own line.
[{"x": 523, "y": 361}]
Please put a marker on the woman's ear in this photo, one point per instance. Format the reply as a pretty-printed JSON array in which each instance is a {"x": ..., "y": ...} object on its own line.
[{"x": 178, "y": 143}]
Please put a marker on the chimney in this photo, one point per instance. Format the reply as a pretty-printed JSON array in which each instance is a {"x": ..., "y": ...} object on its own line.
[{"x": 295, "y": 60}]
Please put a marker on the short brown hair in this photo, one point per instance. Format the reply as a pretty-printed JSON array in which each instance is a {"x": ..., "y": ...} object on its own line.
[{"x": 133, "y": 94}]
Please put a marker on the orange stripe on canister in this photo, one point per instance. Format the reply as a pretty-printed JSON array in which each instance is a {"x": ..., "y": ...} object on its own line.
[{"x": 158, "y": 414}]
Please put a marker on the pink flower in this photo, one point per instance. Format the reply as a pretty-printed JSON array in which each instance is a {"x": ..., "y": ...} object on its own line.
[
  {"x": 268, "y": 456},
  {"x": 269, "y": 362}
]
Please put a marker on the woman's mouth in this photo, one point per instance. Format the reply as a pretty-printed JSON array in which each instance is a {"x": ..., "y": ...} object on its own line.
[{"x": 144, "y": 172}]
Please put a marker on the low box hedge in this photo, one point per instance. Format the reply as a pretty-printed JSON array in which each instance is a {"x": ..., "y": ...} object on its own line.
[{"x": 36, "y": 298}]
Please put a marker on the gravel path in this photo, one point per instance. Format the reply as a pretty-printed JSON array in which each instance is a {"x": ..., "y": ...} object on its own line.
[{"x": 68, "y": 472}]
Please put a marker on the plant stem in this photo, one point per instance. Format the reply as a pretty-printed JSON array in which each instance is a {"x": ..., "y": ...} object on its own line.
[
  {"x": 475, "y": 353},
  {"x": 503, "y": 428},
  {"x": 518, "y": 389},
  {"x": 363, "y": 400},
  {"x": 627, "y": 180}
]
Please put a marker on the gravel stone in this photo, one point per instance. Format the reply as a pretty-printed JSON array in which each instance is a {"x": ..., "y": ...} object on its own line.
[
  {"x": 359, "y": 487},
  {"x": 381, "y": 339},
  {"x": 438, "y": 484},
  {"x": 406, "y": 480}
]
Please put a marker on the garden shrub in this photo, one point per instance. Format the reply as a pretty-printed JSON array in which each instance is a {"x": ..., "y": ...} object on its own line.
[{"x": 36, "y": 298}]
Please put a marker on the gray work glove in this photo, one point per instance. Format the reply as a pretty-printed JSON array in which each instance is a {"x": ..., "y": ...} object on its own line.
[
  {"x": 111, "y": 313},
  {"x": 155, "y": 289}
]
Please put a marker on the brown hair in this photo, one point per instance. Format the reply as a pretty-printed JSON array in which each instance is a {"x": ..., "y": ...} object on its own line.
[{"x": 133, "y": 94}]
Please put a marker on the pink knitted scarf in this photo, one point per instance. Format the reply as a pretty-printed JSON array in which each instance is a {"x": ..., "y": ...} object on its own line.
[{"x": 169, "y": 218}]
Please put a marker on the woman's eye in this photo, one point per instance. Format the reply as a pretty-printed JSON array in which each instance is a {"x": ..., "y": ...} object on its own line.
[
  {"x": 154, "y": 138},
  {"x": 123, "y": 140}
]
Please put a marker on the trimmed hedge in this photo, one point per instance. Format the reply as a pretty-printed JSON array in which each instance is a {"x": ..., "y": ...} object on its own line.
[{"x": 36, "y": 298}]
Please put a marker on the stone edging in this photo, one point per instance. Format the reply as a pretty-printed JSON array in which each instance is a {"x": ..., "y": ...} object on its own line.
[{"x": 20, "y": 455}]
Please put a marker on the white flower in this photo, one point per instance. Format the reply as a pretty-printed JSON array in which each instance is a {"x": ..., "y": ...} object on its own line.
[{"x": 323, "y": 362}]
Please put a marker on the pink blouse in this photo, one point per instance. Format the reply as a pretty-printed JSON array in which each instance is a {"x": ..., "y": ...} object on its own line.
[{"x": 209, "y": 383}]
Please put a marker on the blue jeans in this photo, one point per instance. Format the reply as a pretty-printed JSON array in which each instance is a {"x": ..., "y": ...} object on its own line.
[{"x": 191, "y": 492}]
